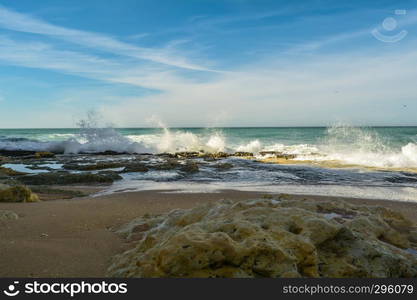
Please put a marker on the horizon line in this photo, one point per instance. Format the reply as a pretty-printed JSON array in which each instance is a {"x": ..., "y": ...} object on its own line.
[{"x": 214, "y": 127}]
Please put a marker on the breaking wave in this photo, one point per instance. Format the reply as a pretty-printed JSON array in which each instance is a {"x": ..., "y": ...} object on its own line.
[
  {"x": 348, "y": 145},
  {"x": 105, "y": 139},
  {"x": 360, "y": 146}
]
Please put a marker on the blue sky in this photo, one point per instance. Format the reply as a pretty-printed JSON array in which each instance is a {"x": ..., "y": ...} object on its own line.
[{"x": 208, "y": 62}]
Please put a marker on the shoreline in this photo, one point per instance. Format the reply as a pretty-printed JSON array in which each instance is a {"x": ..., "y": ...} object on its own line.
[{"x": 76, "y": 237}]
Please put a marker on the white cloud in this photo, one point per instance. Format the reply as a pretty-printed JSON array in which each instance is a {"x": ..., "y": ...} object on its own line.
[
  {"x": 20, "y": 22},
  {"x": 352, "y": 88},
  {"x": 44, "y": 56}
]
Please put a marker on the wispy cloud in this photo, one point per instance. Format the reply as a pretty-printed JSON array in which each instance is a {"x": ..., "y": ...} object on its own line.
[
  {"x": 42, "y": 55},
  {"x": 24, "y": 23}
]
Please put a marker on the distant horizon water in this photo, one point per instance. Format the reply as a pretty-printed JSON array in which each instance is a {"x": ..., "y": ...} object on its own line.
[{"x": 205, "y": 127}]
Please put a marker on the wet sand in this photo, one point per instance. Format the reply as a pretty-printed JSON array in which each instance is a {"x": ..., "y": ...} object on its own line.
[{"x": 75, "y": 237}]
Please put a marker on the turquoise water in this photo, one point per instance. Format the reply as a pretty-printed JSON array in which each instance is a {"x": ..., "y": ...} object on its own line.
[
  {"x": 394, "y": 136},
  {"x": 370, "y": 146}
]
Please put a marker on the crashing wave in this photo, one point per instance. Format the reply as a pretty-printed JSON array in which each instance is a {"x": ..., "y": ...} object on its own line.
[{"x": 344, "y": 144}]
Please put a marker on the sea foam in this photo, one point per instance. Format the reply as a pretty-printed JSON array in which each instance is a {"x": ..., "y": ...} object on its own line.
[{"x": 347, "y": 145}]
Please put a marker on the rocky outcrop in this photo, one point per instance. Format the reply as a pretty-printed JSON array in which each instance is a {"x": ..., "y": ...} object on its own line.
[
  {"x": 17, "y": 193},
  {"x": 270, "y": 238}
]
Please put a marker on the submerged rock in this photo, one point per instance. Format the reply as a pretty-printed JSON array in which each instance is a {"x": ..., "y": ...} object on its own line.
[
  {"x": 17, "y": 193},
  {"x": 8, "y": 215},
  {"x": 64, "y": 178},
  {"x": 269, "y": 238}
]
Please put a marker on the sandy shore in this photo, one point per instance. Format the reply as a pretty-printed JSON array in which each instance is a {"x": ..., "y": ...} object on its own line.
[{"x": 75, "y": 238}]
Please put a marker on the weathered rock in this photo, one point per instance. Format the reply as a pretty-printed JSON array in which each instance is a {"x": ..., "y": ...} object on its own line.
[
  {"x": 269, "y": 238},
  {"x": 64, "y": 178},
  {"x": 6, "y": 215},
  {"x": 17, "y": 194},
  {"x": 190, "y": 167},
  {"x": 44, "y": 154}
]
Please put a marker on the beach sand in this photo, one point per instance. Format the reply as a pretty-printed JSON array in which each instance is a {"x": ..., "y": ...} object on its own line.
[{"x": 76, "y": 238}]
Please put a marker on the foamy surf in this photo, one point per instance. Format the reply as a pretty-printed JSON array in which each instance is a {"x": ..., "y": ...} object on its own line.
[{"x": 381, "y": 148}]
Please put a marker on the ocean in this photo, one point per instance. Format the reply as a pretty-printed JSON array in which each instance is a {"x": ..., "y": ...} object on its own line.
[
  {"x": 370, "y": 162},
  {"x": 371, "y": 146}
]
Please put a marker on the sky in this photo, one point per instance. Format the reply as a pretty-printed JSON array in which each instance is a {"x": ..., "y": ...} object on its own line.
[{"x": 198, "y": 63}]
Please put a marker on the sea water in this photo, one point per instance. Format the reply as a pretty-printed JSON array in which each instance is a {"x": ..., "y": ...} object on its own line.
[
  {"x": 371, "y": 146},
  {"x": 379, "y": 162}
]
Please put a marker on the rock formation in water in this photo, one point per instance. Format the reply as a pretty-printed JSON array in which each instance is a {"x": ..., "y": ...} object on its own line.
[{"x": 270, "y": 238}]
